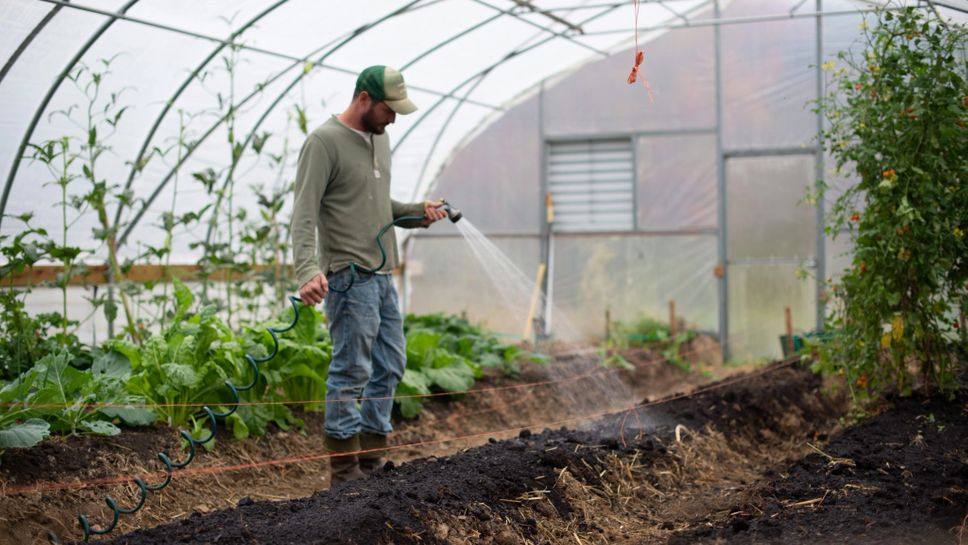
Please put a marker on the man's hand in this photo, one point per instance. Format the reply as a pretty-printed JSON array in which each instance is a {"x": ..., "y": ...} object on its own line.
[
  {"x": 315, "y": 290},
  {"x": 433, "y": 211}
]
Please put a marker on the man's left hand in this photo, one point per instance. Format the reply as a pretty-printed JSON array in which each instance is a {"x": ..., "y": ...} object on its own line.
[{"x": 433, "y": 211}]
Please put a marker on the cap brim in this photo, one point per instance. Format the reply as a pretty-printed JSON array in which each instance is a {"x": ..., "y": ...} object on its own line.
[{"x": 403, "y": 106}]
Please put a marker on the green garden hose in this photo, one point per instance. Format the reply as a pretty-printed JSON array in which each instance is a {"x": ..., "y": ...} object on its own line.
[
  {"x": 254, "y": 362},
  {"x": 170, "y": 466},
  {"x": 383, "y": 253}
]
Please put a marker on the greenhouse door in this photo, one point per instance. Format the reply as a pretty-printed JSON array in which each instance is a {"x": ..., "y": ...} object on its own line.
[{"x": 771, "y": 242}]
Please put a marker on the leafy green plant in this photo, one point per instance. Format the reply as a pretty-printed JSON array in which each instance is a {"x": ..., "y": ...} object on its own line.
[
  {"x": 447, "y": 354},
  {"x": 650, "y": 333},
  {"x": 460, "y": 337},
  {"x": 897, "y": 117},
  {"x": 68, "y": 400},
  {"x": 25, "y": 339},
  {"x": 186, "y": 364},
  {"x": 432, "y": 367},
  {"x": 296, "y": 374},
  {"x": 56, "y": 155}
]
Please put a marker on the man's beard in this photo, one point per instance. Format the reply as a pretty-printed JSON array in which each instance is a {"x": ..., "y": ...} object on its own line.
[{"x": 370, "y": 123}]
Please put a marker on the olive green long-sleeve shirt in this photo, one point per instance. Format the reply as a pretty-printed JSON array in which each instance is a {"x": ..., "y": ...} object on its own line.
[{"x": 342, "y": 200}]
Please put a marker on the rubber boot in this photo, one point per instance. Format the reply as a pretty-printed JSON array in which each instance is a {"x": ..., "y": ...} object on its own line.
[
  {"x": 343, "y": 467},
  {"x": 376, "y": 444}
]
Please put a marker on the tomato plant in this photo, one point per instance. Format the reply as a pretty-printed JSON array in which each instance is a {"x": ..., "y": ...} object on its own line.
[{"x": 897, "y": 117}]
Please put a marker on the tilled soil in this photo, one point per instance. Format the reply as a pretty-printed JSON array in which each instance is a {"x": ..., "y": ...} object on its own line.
[
  {"x": 525, "y": 490},
  {"x": 756, "y": 458},
  {"x": 899, "y": 478},
  {"x": 47, "y": 486}
]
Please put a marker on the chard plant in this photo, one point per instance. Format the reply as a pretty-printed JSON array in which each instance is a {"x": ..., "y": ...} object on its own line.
[
  {"x": 897, "y": 112},
  {"x": 448, "y": 354},
  {"x": 184, "y": 365}
]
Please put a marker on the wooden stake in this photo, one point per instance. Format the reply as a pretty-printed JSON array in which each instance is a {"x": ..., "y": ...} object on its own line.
[
  {"x": 535, "y": 295},
  {"x": 788, "y": 319},
  {"x": 608, "y": 323}
]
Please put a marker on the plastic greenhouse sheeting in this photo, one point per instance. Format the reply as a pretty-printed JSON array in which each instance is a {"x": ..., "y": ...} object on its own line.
[
  {"x": 769, "y": 78},
  {"x": 464, "y": 60},
  {"x": 497, "y": 82}
]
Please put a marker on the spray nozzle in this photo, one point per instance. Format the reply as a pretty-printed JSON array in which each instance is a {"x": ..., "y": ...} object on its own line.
[{"x": 453, "y": 213}]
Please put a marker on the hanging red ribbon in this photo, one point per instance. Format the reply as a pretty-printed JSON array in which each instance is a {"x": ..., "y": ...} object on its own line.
[{"x": 639, "y": 57}]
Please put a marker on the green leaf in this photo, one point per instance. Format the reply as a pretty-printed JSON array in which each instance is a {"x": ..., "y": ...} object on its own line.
[
  {"x": 421, "y": 346},
  {"x": 101, "y": 427},
  {"x": 126, "y": 349},
  {"x": 154, "y": 352},
  {"x": 180, "y": 375},
  {"x": 417, "y": 381},
  {"x": 454, "y": 378},
  {"x": 490, "y": 361},
  {"x": 303, "y": 370},
  {"x": 131, "y": 416},
  {"x": 445, "y": 358},
  {"x": 409, "y": 406},
  {"x": 25, "y": 434},
  {"x": 239, "y": 430},
  {"x": 18, "y": 389},
  {"x": 183, "y": 300},
  {"x": 59, "y": 381},
  {"x": 111, "y": 365}
]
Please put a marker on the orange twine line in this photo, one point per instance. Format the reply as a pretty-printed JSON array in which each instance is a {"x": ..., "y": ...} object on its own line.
[{"x": 77, "y": 484}]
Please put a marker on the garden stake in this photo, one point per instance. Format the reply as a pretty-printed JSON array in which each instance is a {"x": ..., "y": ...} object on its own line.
[{"x": 170, "y": 466}]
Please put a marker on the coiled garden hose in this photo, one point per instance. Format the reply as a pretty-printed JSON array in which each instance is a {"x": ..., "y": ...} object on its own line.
[
  {"x": 143, "y": 488},
  {"x": 170, "y": 466}
]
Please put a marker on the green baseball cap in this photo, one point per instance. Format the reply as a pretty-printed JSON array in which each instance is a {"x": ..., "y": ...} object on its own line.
[{"x": 386, "y": 84}]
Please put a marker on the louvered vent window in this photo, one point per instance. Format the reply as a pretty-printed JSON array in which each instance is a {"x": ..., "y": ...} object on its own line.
[{"x": 592, "y": 183}]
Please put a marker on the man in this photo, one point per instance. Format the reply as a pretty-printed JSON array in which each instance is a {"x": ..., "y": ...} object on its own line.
[{"x": 342, "y": 199}]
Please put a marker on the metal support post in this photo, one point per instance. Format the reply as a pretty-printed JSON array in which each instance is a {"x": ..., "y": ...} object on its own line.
[
  {"x": 721, "y": 194},
  {"x": 821, "y": 269}
]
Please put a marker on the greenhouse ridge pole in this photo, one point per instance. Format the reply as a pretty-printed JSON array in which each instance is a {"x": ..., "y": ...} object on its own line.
[
  {"x": 717, "y": 21},
  {"x": 262, "y": 50},
  {"x": 721, "y": 210},
  {"x": 562, "y": 35},
  {"x": 48, "y": 97}
]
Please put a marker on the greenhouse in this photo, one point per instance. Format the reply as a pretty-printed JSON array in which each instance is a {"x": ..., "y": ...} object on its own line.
[{"x": 691, "y": 245}]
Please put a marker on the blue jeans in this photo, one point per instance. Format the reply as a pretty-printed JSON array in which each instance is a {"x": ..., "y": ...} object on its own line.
[{"x": 369, "y": 353}]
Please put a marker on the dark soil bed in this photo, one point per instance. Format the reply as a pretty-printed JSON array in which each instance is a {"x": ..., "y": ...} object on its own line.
[
  {"x": 47, "y": 486},
  {"x": 537, "y": 487},
  {"x": 755, "y": 458},
  {"x": 900, "y": 477}
]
